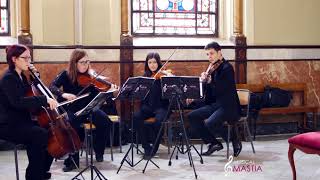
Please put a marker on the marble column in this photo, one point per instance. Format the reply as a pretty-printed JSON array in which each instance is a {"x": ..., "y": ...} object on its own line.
[
  {"x": 240, "y": 42},
  {"x": 25, "y": 36},
  {"x": 126, "y": 56}
]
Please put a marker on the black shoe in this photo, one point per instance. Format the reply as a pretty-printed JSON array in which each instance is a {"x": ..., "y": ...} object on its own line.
[
  {"x": 99, "y": 157},
  {"x": 237, "y": 147},
  {"x": 69, "y": 168},
  {"x": 212, "y": 148},
  {"x": 47, "y": 175},
  {"x": 147, "y": 154}
]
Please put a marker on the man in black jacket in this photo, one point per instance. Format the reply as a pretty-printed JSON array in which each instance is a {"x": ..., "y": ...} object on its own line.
[{"x": 221, "y": 102}]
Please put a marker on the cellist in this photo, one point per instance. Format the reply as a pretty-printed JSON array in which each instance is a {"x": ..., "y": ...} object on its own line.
[
  {"x": 66, "y": 87},
  {"x": 16, "y": 123}
]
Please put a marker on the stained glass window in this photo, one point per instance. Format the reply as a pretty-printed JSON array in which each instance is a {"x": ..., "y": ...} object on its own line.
[
  {"x": 174, "y": 17},
  {"x": 4, "y": 18}
]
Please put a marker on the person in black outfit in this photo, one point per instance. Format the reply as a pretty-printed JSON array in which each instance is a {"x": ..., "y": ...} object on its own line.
[
  {"x": 221, "y": 102},
  {"x": 15, "y": 119},
  {"x": 152, "y": 106},
  {"x": 79, "y": 64}
]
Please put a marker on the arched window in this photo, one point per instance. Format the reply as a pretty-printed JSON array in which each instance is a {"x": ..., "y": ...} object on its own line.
[
  {"x": 174, "y": 17},
  {"x": 4, "y": 18}
]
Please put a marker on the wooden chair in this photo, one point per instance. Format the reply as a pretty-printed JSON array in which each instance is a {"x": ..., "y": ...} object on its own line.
[
  {"x": 150, "y": 120},
  {"x": 167, "y": 128},
  {"x": 86, "y": 126},
  {"x": 16, "y": 161},
  {"x": 115, "y": 119},
  {"x": 87, "y": 142},
  {"x": 244, "y": 98},
  {"x": 308, "y": 143}
]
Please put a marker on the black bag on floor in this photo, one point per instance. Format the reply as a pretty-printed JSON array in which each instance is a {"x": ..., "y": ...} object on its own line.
[{"x": 276, "y": 97}]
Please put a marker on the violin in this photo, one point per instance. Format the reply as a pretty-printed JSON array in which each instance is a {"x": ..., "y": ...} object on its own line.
[
  {"x": 85, "y": 80},
  {"x": 211, "y": 68},
  {"x": 162, "y": 73},
  {"x": 98, "y": 81}
]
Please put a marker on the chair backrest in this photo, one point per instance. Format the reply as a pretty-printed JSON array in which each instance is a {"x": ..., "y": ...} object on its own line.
[{"x": 244, "y": 98}]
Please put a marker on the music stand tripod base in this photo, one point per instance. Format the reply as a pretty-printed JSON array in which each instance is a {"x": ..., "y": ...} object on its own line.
[
  {"x": 174, "y": 88},
  {"x": 94, "y": 104},
  {"x": 135, "y": 88}
]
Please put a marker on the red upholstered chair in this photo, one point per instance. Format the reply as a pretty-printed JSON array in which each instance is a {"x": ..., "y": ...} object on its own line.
[{"x": 308, "y": 143}]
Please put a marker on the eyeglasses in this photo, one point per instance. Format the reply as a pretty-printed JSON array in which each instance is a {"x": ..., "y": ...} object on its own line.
[
  {"x": 26, "y": 58},
  {"x": 84, "y": 62}
]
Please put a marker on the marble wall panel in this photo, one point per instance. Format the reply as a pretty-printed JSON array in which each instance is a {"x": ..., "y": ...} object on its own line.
[
  {"x": 50, "y": 71},
  {"x": 278, "y": 54},
  {"x": 258, "y": 72},
  {"x": 288, "y": 72},
  {"x": 3, "y": 68}
]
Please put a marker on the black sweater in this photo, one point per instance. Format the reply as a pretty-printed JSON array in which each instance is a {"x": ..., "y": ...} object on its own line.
[
  {"x": 15, "y": 106},
  {"x": 63, "y": 81}
]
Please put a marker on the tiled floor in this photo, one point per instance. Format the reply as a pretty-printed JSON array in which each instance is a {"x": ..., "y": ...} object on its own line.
[{"x": 269, "y": 162}]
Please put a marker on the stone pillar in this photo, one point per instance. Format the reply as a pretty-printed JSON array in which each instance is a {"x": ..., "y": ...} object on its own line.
[
  {"x": 124, "y": 17},
  {"x": 25, "y": 36},
  {"x": 240, "y": 43},
  {"x": 126, "y": 57}
]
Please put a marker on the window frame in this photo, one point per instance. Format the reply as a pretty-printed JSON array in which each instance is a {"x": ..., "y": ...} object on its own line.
[
  {"x": 8, "y": 11},
  {"x": 153, "y": 34}
]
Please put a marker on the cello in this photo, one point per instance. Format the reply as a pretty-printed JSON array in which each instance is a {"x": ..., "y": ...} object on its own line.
[{"x": 62, "y": 139}]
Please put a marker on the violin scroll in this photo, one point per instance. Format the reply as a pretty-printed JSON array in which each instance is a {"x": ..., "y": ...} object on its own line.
[{"x": 33, "y": 70}]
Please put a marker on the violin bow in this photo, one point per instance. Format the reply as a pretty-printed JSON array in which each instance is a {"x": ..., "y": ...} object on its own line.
[{"x": 168, "y": 59}]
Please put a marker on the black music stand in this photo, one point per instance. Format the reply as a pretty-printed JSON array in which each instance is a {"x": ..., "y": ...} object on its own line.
[
  {"x": 177, "y": 88},
  {"x": 94, "y": 105},
  {"x": 135, "y": 88}
]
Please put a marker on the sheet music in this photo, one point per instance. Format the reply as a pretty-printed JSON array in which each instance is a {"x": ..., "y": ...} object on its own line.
[
  {"x": 95, "y": 103},
  {"x": 186, "y": 86},
  {"x": 131, "y": 85}
]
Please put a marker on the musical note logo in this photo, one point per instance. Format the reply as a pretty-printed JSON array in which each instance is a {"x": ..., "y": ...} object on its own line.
[
  {"x": 165, "y": 88},
  {"x": 185, "y": 88},
  {"x": 228, "y": 166},
  {"x": 137, "y": 89}
]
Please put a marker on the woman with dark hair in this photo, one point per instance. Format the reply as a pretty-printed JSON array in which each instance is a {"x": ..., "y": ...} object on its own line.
[
  {"x": 15, "y": 113},
  {"x": 79, "y": 64},
  {"x": 152, "y": 106}
]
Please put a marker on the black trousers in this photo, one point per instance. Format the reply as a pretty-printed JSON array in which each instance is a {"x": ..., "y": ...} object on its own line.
[
  {"x": 100, "y": 134},
  {"x": 140, "y": 116},
  {"x": 36, "y": 140},
  {"x": 207, "y": 121}
]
